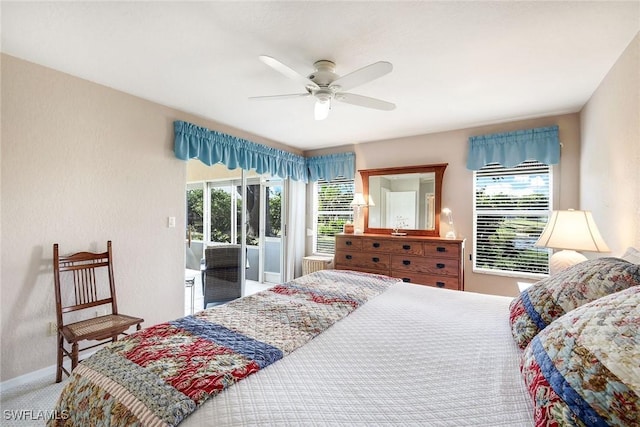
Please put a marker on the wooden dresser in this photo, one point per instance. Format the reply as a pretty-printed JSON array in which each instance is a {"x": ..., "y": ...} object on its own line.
[{"x": 422, "y": 260}]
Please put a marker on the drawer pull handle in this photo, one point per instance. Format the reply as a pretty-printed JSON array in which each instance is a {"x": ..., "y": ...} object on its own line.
[
  {"x": 406, "y": 262},
  {"x": 406, "y": 280},
  {"x": 375, "y": 259},
  {"x": 348, "y": 243},
  {"x": 441, "y": 249},
  {"x": 440, "y": 284},
  {"x": 440, "y": 265},
  {"x": 348, "y": 256},
  {"x": 406, "y": 247},
  {"x": 376, "y": 245}
]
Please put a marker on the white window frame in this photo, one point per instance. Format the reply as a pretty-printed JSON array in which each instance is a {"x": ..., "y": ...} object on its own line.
[
  {"x": 524, "y": 212},
  {"x": 317, "y": 213}
]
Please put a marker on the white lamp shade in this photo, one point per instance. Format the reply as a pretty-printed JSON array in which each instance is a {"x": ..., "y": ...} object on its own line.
[
  {"x": 358, "y": 200},
  {"x": 574, "y": 230},
  {"x": 451, "y": 232}
]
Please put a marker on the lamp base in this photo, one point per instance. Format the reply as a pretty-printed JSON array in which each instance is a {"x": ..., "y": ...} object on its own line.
[{"x": 564, "y": 259}]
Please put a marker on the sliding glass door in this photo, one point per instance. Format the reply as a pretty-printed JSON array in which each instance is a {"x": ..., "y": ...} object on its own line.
[
  {"x": 272, "y": 248},
  {"x": 264, "y": 201},
  {"x": 237, "y": 208}
]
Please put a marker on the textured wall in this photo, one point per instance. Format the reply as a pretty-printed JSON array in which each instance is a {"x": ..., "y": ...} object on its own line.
[
  {"x": 610, "y": 161},
  {"x": 82, "y": 164}
]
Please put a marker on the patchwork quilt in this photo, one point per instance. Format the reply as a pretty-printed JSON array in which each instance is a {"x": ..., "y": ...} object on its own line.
[
  {"x": 584, "y": 368},
  {"x": 159, "y": 375}
]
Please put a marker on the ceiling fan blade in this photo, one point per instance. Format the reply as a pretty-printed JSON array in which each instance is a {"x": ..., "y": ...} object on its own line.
[
  {"x": 363, "y": 75},
  {"x": 287, "y": 71},
  {"x": 269, "y": 97},
  {"x": 322, "y": 108},
  {"x": 365, "y": 101}
]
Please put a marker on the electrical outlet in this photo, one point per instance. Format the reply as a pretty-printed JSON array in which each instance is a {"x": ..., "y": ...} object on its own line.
[
  {"x": 101, "y": 313},
  {"x": 53, "y": 328}
]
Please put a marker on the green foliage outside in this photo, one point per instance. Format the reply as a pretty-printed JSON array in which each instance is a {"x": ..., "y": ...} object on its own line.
[
  {"x": 506, "y": 242},
  {"x": 334, "y": 210},
  {"x": 221, "y": 214},
  {"x": 194, "y": 213}
]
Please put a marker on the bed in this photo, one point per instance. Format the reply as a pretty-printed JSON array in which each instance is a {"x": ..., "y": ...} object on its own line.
[{"x": 379, "y": 352}]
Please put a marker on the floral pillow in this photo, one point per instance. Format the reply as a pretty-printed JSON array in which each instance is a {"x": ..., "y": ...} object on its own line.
[
  {"x": 632, "y": 255},
  {"x": 550, "y": 298},
  {"x": 583, "y": 368}
]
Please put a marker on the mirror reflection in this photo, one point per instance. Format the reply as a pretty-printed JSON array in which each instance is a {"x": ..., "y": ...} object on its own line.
[{"x": 403, "y": 199}]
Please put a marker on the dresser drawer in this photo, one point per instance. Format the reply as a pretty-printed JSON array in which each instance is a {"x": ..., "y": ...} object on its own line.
[
  {"x": 442, "y": 250},
  {"x": 409, "y": 247},
  {"x": 445, "y": 282},
  {"x": 446, "y": 266},
  {"x": 392, "y": 246},
  {"x": 376, "y": 245},
  {"x": 348, "y": 243},
  {"x": 370, "y": 260},
  {"x": 416, "y": 259}
]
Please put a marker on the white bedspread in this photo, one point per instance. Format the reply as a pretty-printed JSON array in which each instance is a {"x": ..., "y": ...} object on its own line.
[{"x": 414, "y": 355}]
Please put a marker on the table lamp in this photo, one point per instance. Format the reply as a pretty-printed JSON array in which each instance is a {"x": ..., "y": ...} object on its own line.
[
  {"x": 451, "y": 232},
  {"x": 357, "y": 202},
  {"x": 570, "y": 231}
]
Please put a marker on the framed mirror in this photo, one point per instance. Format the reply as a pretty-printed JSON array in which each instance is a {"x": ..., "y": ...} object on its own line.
[{"x": 403, "y": 199}]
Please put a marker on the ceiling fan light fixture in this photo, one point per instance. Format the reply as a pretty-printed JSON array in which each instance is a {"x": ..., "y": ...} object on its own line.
[
  {"x": 325, "y": 85},
  {"x": 323, "y": 105}
]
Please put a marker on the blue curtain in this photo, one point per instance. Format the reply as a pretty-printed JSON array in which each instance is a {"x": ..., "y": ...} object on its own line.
[
  {"x": 331, "y": 166},
  {"x": 512, "y": 148},
  {"x": 211, "y": 147}
]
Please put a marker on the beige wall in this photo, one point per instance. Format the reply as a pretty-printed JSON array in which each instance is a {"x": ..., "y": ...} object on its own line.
[
  {"x": 451, "y": 147},
  {"x": 610, "y": 161},
  {"x": 81, "y": 164}
]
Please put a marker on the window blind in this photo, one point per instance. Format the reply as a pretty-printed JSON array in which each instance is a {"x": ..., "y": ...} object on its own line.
[
  {"x": 333, "y": 208},
  {"x": 511, "y": 208}
]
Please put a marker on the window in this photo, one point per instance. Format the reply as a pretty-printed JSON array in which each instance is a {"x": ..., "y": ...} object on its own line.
[
  {"x": 195, "y": 206},
  {"x": 511, "y": 208},
  {"x": 332, "y": 208}
]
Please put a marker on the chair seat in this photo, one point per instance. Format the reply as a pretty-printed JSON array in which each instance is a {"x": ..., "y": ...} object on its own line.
[{"x": 99, "y": 328}]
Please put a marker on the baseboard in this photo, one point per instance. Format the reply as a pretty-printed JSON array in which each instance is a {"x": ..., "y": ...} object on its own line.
[
  {"x": 35, "y": 376},
  {"x": 29, "y": 378}
]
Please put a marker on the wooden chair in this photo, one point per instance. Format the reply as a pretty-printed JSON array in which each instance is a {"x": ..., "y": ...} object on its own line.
[{"x": 84, "y": 280}]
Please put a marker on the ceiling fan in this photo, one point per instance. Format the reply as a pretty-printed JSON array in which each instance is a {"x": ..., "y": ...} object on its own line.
[{"x": 325, "y": 85}]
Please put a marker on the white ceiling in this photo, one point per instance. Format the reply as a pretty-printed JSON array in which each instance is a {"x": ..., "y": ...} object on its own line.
[{"x": 456, "y": 64}]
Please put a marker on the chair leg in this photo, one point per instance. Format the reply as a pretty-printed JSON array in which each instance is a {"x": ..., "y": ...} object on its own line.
[
  {"x": 74, "y": 355},
  {"x": 60, "y": 358}
]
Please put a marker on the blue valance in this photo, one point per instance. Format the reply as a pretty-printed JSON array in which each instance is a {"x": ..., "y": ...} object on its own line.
[
  {"x": 512, "y": 148},
  {"x": 213, "y": 147},
  {"x": 331, "y": 166}
]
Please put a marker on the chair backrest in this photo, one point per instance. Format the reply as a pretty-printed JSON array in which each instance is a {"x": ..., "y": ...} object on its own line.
[
  {"x": 83, "y": 280},
  {"x": 222, "y": 256}
]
